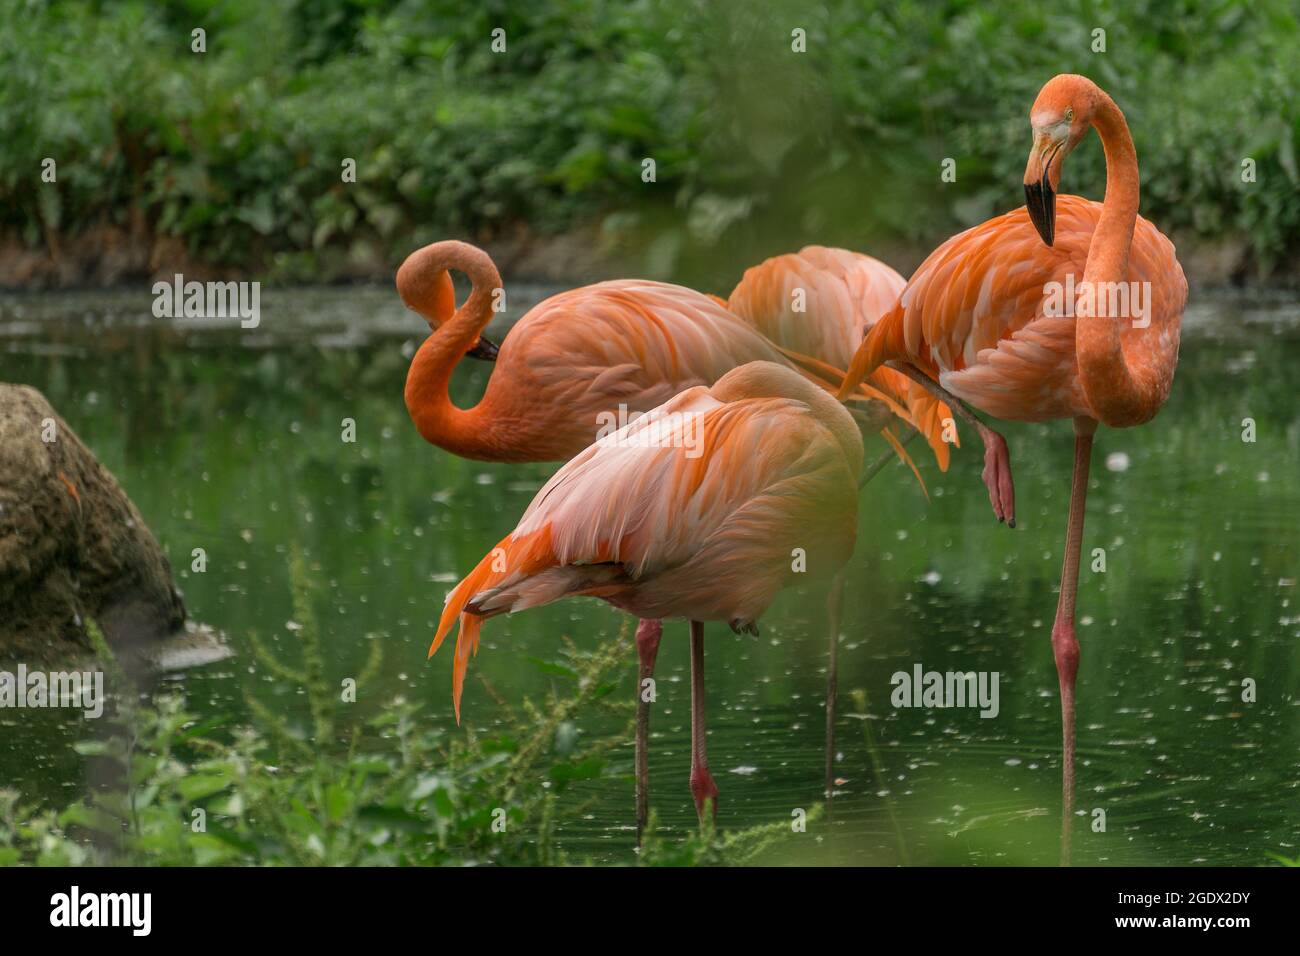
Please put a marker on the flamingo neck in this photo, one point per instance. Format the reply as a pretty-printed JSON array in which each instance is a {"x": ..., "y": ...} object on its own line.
[
  {"x": 1108, "y": 254},
  {"x": 1118, "y": 393},
  {"x": 428, "y": 398}
]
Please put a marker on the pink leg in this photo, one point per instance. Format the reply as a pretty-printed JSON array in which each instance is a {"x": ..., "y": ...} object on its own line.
[
  {"x": 1065, "y": 645},
  {"x": 647, "y": 649},
  {"x": 703, "y": 788},
  {"x": 997, "y": 459}
]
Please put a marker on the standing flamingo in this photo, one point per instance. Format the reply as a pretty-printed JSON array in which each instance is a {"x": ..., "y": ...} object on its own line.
[
  {"x": 983, "y": 318},
  {"x": 573, "y": 362},
  {"x": 693, "y": 511},
  {"x": 820, "y": 302}
]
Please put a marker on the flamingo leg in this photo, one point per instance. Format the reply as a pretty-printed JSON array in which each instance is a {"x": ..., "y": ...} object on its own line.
[
  {"x": 997, "y": 459},
  {"x": 1065, "y": 646},
  {"x": 703, "y": 788},
  {"x": 834, "y": 611},
  {"x": 648, "y": 634}
]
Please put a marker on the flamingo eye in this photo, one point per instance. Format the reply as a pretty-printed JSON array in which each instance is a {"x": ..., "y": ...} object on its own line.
[{"x": 1069, "y": 114}]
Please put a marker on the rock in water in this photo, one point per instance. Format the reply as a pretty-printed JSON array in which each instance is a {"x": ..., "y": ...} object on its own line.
[{"x": 72, "y": 546}]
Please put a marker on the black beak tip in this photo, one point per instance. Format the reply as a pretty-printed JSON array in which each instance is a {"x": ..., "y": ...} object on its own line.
[
  {"x": 484, "y": 349},
  {"x": 1040, "y": 201}
]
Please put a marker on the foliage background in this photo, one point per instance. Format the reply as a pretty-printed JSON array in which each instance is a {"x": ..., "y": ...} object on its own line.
[{"x": 236, "y": 153}]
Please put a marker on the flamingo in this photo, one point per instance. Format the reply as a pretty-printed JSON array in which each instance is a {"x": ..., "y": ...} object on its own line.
[
  {"x": 578, "y": 356},
  {"x": 584, "y": 358},
  {"x": 820, "y": 302},
  {"x": 989, "y": 319},
  {"x": 643, "y": 523}
]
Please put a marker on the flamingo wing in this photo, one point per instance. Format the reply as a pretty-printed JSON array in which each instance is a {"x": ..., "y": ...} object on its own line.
[
  {"x": 581, "y": 355},
  {"x": 630, "y": 341}
]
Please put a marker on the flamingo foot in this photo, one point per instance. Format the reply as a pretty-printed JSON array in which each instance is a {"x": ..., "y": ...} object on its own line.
[
  {"x": 704, "y": 790},
  {"x": 997, "y": 478},
  {"x": 741, "y": 626}
]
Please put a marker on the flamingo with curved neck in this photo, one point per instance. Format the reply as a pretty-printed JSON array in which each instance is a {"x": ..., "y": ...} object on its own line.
[
  {"x": 624, "y": 347},
  {"x": 984, "y": 321},
  {"x": 424, "y": 283}
]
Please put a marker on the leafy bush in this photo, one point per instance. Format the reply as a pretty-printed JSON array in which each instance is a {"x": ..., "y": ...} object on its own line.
[{"x": 239, "y": 150}]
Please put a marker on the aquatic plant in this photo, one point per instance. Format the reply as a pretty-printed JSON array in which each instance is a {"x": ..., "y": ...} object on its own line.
[{"x": 390, "y": 790}]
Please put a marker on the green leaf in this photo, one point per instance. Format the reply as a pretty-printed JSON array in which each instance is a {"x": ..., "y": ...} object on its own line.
[
  {"x": 337, "y": 802},
  {"x": 200, "y": 785},
  {"x": 92, "y": 819},
  {"x": 554, "y": 668}
]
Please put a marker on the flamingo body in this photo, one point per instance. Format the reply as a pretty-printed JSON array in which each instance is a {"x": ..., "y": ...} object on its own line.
[
  {"x": 841, "y": 293},
  {"x": 820, "y": 302},
  {"x": 1016, "y": 316},
  {"x": 976, "y": 317},
  {"x": 582, "y": 354},
  {"x": 698, "y": 520}
]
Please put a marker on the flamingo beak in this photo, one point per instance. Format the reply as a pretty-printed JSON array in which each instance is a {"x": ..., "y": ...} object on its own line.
[
  {"x": 1040, "y": 197},
  {"x": 484, "y": 349}
]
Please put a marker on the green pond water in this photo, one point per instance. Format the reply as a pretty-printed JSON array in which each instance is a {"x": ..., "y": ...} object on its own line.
[{"x": 230, "y": 441}]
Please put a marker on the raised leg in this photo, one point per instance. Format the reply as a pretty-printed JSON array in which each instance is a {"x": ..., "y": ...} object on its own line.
[
  {"x": 1065, "y": 645},
  {"x": 997, "y": 459},
  {"x": 703, "y": 788},
  {"x": 834, "y": 611},
  {"x": 648, "y": 634}
]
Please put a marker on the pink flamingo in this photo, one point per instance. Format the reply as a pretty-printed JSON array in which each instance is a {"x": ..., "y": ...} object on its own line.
[
  {"x": 989, "y": 319},
  {"x": 693, "y": 511}
]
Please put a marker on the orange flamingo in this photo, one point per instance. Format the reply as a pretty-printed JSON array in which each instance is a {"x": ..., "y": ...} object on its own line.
[
  {"x": 693, "y": 511},
  {"x": 821, "y": 302},
  {"x": 582, "y": 359},
  {"x": 578, "y": 356},
  {"x": 1064, "y": 308}
]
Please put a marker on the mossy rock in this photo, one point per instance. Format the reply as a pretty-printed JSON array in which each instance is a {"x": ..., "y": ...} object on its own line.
[{"x": 72, "y": 546}]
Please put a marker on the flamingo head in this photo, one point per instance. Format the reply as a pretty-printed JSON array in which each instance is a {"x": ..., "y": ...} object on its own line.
[
  {"x": 432, "y": 295},
  {"x": 1059, "y": 119}
]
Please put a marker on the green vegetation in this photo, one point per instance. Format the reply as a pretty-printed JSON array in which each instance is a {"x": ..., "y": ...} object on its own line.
[
  {"x": 238, "y": 151},
  {"x": 179, "y": 791}
]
